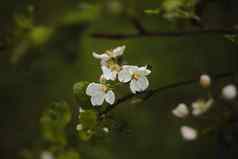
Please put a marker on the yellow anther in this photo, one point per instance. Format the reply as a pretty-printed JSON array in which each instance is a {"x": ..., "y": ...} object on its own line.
[
  {"x": 136, "y": 76},
  {"x": 104, "y": 88}
]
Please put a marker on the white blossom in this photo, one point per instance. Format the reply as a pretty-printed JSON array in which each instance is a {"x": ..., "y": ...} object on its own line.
[
  {"x": 205, "y": 80},
  {"x": 188, "y": 133},
  {"x": 137, "y": 77},
  {"x": 201, "y": 106},
  {"x": 110, "y": 54},
  {"x": 229, "y": 92},
  {"x": 106, "y": 130},
  {"x": 89, "y": 131},
  {"x": 181, "y": 111},
  {"x": 46, "y": 155},
  {"x": 99, "y": 93},
  {"x": 79, "y": 127},
  {"x": 109, "y": 74}
]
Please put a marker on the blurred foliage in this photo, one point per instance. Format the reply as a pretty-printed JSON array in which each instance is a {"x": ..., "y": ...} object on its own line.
[
  {"x": 34, "y": 36},
  {"x": 54, "y": 124},
  {"x": 28, "y": 35},
  {"x": 176, "y": 9},
  {"x": 80, "y": 95},
  {"x": 85, "y": 13},
  {"x": 88, "y": 124},
  {"x": 54, "y": 121},
  {"x": 232, "y": 38}
]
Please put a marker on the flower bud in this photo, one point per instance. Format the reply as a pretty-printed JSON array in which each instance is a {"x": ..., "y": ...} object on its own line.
[
  {"x": 106, "y": 130},
  {"x": 201, "y": 106},
  {"x": 188, "y": 133},
  {"x": 229, "y": 92},
  {"x": 181, "y": 111},
  {"x": 205, "y": 80},
  {"x": 79, "y": 127}
]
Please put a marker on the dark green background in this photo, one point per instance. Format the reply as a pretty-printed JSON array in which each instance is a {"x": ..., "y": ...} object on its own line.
[{"x": 47, "y": 72}]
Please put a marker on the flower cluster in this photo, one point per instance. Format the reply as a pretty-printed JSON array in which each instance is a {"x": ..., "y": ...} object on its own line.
[
  {"x": 113, "y": 70},
  {"x": 201, "y": 106}
]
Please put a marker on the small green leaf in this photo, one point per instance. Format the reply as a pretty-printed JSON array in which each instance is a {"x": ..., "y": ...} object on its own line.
[
  {"x": 88, "y": 119},
  {"x": 85, "y": 135},
  {"x": 79, "y": 92},
  {"x": 54, "y": 121},
  {"x": 88, "y": 124},
  {"x": 40, "y": 34}
]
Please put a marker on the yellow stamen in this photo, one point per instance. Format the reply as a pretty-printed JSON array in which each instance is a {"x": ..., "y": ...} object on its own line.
[
  {"x": 104, "y": 88},
  {"x": 115, "y": 67},
  {"x": 136, "y": 76}
]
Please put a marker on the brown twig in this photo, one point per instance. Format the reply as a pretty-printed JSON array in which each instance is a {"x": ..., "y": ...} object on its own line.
[
  {"x": 146, "y": 95},
  {"x": 143, "y": 33}
]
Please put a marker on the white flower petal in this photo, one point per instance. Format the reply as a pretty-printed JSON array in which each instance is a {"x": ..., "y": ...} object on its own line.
[
  {"x": 93, "y": 89},
  {"x": 98, "y": 99},
  {"x": 188, "y": 133},
  {"x": 143, "y": 71},
  {"x": 124, "y": 76},
  {"x": 103, "y": 62},
  {"x": 110, "y": 97},
  {"x": 108, "y": 74},
  {"x": 130, "y": 68},
  {"x": 118, "y": 51},
  {"x": 142, "y": 83},
  {"x": 181, "y": 111},
  {"x": 133, "y": 86},
  {"x": 114, "y": 74},
  {"x": 100, "y": 56}
]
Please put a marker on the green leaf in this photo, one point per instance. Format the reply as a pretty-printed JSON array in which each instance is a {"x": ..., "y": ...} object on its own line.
[
  {"x": 85, "y": 135},
  {"x": 172, "y": 5},
  {"x": 176, "y": 9},
  {"x": 79, "y": 92},
  {"x": 54, "y": 121},
  {"x": 88, "y": 119},
  {"x": 40, "y": 34},
  {"x": 232, "y": 38}
]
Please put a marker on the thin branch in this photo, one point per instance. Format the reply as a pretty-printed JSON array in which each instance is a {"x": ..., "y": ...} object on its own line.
[
  {"x": 140, "y": 34},
  {"x": 146, "y": 95},
  {"x": 138, "y": 25}
]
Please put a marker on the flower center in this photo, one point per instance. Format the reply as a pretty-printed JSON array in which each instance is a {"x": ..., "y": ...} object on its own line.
[
  {"x": 135, "y": 76},
  {"x": 113, "y": 65},
  {"x": 104, "y": 88},
  {"x": 109, "y": 53}
]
